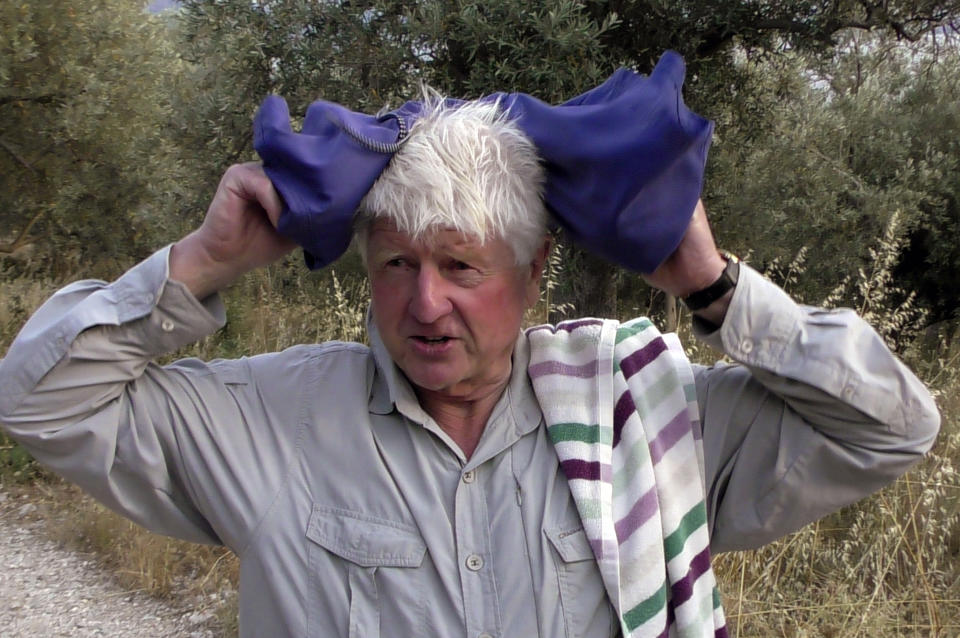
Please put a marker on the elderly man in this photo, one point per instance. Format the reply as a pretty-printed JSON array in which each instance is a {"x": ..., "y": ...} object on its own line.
[{"x": 411, "y": 488}]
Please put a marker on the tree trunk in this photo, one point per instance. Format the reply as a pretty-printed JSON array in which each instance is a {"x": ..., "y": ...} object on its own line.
[{"x": 594, "y": 286}]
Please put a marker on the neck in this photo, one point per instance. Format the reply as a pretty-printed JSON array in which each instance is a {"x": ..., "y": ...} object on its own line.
[{"x": 463, "y": 419}]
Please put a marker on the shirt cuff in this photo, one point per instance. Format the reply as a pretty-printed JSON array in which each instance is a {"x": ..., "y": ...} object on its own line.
[{"x": 760, "y": 321}]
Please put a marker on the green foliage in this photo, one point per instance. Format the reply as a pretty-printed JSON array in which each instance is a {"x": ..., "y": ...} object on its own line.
[
  {"x": 747, "y": 62},
  {"x": 84, "y": 162},
  {"x": 868, "y": 136},
  {"x": 16, "y": 464},
  {"x": 239, "y": 52}
]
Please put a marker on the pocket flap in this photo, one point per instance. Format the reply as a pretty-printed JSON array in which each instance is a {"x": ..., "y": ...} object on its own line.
[
  {"x": 365, "y": 540},
  {"x": 571, "y": 544}
]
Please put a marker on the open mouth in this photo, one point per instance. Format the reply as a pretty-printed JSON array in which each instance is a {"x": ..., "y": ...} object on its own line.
[{"x": 432, "y": 340}]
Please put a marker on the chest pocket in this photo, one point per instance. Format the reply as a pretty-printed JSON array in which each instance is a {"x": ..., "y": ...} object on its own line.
[
  {"x": 578, "y": 579},
  {"x": 374, "y": 561}
]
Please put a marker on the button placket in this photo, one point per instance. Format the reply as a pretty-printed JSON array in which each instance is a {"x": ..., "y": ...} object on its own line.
[{"x": 473, "y": 544}]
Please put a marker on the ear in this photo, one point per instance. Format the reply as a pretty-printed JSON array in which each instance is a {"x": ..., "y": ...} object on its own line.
[{"x": 537, "y": 265}]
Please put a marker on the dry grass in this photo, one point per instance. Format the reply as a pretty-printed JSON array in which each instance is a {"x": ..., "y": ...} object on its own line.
[{"x": 162, "y": 566}]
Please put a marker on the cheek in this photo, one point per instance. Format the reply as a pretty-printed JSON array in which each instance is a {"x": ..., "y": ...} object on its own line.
[
  {"x": 387, "y": 304},
  {"x": 501, "y": 314},
  {"x": 388, "y": 287}
]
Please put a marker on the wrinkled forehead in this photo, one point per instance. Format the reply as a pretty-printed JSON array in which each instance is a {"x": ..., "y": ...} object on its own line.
[{"x": 384, "y": 235}]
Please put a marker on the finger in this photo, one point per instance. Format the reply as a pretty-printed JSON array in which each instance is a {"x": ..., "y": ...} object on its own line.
[
  {"x": 267, "y": 196},
  {"x": 253, "y": 184}
]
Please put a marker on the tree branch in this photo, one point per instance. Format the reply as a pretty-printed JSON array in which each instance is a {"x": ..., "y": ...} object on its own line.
[
  {"x": 47, "y": 98},
  {"x": 22, "y": 239},
  {"x": 17, "y": 156},
  {"x": 874, "y": 16}
]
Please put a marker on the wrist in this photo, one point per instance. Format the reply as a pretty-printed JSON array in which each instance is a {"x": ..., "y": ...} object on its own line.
[
  {"x": 192, "y": 265},
  {"x": 711, "y": 301},
  {"x": 716, "y": 312}
]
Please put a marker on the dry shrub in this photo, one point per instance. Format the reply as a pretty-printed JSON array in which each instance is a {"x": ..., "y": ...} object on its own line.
[
  {"x": 284, "y": 305},
  {"x": 19, "y": 297}
]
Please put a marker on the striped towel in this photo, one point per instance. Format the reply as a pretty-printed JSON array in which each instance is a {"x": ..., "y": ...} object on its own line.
[{"x": 621, "y": 408}]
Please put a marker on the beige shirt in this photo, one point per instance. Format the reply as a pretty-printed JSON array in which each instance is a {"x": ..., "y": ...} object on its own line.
[{"x": 354, "y": 514}]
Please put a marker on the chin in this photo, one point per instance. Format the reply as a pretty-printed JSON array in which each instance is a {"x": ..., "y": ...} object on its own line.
[{"x": 432, "y": 381}]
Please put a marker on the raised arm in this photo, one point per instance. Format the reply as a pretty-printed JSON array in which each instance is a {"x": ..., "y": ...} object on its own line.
[
  {"x": 79, "y": 389},
  {"x": 238, "y": 233},
  {"x": 815, "y": 414}
]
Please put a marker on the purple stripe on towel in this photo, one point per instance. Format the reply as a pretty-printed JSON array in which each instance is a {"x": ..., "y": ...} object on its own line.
[
  {"x": 671, "y": 620},
  {"x": 683, "y": 588},
  {"x": 634, "y": 362},
  {"x": 544, "y": 368},
  {"x": 639, "y": 514},
  {"x": 570, "y": 326},
  {"x": 669, "y": 435},
  {"x": 579, "y": 469},
  {"x": 621, "y": 412}
]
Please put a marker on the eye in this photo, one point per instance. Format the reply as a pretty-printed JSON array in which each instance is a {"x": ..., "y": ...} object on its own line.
[{"x": 461, "y": 265}]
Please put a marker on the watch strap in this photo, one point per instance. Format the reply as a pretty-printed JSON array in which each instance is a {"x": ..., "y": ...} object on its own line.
[{"x": 724, "y": 283}]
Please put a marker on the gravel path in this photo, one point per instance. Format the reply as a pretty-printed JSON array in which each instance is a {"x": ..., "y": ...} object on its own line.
[{"x": 48, "y": 590}]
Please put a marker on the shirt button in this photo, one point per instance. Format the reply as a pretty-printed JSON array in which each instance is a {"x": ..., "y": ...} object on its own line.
[
  {"x": 469, "y": 476},
  {"x": 848, "y": 391},
  {"x": 484, "y": 635},
  {"x": 747, "y": 346},
  {"x": 474, "y": 562},
  {"x": 166, "y": 325}
]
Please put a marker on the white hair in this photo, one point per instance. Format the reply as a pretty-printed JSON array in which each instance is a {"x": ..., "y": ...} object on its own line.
[{"x": 467, "y": 168}]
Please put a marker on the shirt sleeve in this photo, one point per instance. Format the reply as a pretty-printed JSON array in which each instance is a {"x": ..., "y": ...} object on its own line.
[
  {"x": 815, "y": 414},
  {"x": 174, "y": 448}
]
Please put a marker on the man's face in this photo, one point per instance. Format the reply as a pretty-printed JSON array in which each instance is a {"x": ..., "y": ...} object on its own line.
[{"x": 448, "y": 308}]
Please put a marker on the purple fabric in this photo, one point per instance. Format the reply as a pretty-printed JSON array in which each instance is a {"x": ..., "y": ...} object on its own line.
[
  {"x": 683, "y": 588},
  {"x": 579, "y": 469},
  {"x": 632, "y": 364},
  {"x": 640, "y": 513},
  {"x": 668, "y": 436},
  {"x": 622, "y": 411},
  {"x": 624, "y": 164}
]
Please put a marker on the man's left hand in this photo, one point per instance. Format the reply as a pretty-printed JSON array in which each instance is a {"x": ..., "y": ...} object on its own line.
[{"x": 693, "y": 266}]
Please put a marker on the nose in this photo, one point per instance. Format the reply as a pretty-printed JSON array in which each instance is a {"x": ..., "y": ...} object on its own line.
[{"x": 429, "y": 301}]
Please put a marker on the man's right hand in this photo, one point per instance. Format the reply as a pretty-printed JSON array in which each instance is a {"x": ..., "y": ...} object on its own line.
[{"x": 238, "y": 233}]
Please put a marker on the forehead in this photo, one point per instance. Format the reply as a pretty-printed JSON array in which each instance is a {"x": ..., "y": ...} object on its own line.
[{"x": 384, "y": 235}]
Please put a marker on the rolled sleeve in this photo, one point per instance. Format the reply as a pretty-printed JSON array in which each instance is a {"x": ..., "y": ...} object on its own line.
[{"x": 816, "y": 413}]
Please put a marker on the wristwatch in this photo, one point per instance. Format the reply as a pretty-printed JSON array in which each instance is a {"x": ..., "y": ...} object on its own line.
[{"x": 725, "y": 282}]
